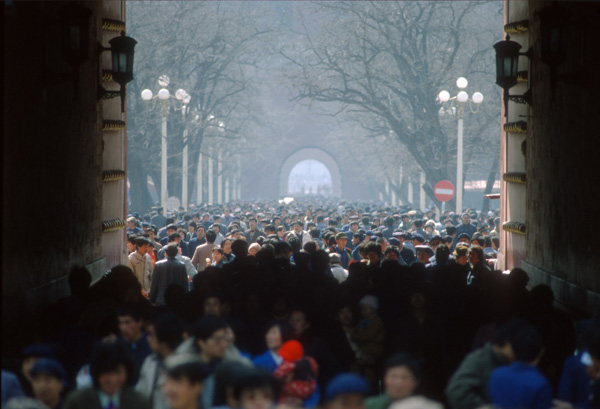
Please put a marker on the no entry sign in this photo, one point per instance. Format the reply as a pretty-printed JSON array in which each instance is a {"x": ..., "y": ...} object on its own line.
[{"x": 443, "y": 191}]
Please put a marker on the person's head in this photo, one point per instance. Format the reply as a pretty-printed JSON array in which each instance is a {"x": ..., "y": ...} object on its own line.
[
  {"x": 401, "y": 376},
  {"x": 435, "y": 242},
  {"x": 211, "y": 236},
  {"x": 130, "y": 323},
  {"x": 200, "y": 232},
  {"x": 297, "y": 226},
  {"x": 528, "y": 345},
  {"x": 476, "y": 255},
  {"x": 111, "y": 367},
  {"x": 423, "y": 253},
  {"x": 171, "y": 228},
  {"x": 466, "y": 218},
  {"x": 505, "y": 335},
  {"x": 165, "y": 333},
  {"x": 217, "y": 254},
  {"x": 48, "y": 379},
  {"x": 175, "y": 238},
  {"x": 310, "y": 247},
  {"x": 172, "y": 250},
  {"x": 277, "y": 333},
  {"x": 373, "y": 252},
  {"x": 392, "y": 253},
  {"x": 299, "y": 321},
  {"x": 239, "y": 248},
  {"x": 253, "y": 249},
  {"x": 346, "y": 391},
  {"x": 461, "y": 254},
  {"x": 442, "y": 254},
  {"x": 141, "y": 245},
  {"x": 131, "y": 223},
  {"x": 184, "y": 382},
  {"x": 448, "y": 241},
  {"x": 252, "y": 223},
  {"x": 451, "y": 230},
  {"x": 211, "y": 305},
  {"x": 131, "y": 244},
  {"x": 255, "y": 389},
  {"x": 368, "y": 305},
  {"x": 270, "y": 229},
  {"x": 211, "y": 337}
]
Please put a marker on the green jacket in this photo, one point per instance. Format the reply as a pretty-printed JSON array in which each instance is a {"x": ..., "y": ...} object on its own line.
[
  {"x": 378, "y": 402},
  {"x": 468, "y": 387}
]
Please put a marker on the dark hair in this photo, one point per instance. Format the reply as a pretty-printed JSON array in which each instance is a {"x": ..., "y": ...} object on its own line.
[
  {"x": 173, "y": 236},
  {"x": 169, "y": 329},
  {"x": 239, "y": 248},
  {"x": 403, "y": 359},
  {"x": 108, "y": 357},
  {"x": 448, "y": 239},
  {"x": 479, "y": 251},
  {"x": 255, "y": 379},
  {"x": 392, "y": 249},
  {"x": 211, "y": 236},
  {"x": 314, "y": 233},
  {"x": 450, "y": 230},
  {"x": 418, "y": 223},
  {"x": 205, "y": 327},
  {"x": 287, "y": 332},
  {"x": 507, "y": 331},
  {"x": 442, "y": 253},
  {"x": 295, "y": 243},
  {"x": 372, "y": 247},
  {"x": 172, "y": 249},
  {"x": 171, "y": 227},
  {"x": 79, "y": 280},
  {"x": 194, "y": 371},
  {"x": 310, "y": 246},
  {"x": 527, "y": 344},
  {"x": 132, "y": 311}
]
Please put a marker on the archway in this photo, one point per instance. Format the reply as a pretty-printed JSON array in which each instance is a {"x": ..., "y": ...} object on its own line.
[{"x": 315, "y": 154}]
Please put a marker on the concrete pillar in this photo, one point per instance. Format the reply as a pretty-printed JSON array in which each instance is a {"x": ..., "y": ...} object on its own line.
[
  {"x": 199, "y": 177},
  {"x": 210, "y": 177},
  {"x": 219, "y": 177},
  {"x": 422, "y": 198},
  {"x": 410, "y": 190}
]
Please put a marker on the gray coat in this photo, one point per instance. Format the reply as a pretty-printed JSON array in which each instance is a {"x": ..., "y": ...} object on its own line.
[
  {"x": 468, "y": 387},
  {"x": 166, "y": 272}
]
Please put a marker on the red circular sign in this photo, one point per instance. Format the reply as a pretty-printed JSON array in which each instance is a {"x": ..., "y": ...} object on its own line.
[{"x": 444, "y": 191}]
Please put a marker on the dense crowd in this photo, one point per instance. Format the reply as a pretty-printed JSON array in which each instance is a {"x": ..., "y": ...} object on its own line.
[{"x": 311, "y": 303}]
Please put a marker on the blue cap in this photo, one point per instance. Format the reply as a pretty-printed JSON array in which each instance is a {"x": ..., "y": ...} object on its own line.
[
  {"x": 346, "y": 383},
  {"x": 418, "y": 237},
  {"x": 464, "y": 236},
  {"x": 49, "y": 366},
  {"x": 392, "y": 241},
  {"x": 369, "y": 232}
]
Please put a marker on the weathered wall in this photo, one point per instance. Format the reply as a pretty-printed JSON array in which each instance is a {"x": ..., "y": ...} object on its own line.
[
  {"x": 52, "y": 166},
  {"x": 562, "y": 163}
]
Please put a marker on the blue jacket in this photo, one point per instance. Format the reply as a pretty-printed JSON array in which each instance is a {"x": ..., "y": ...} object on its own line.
[
  {"x": 520, "y": 385},
  {"x": 575, "y": 385},
  {"x": 265, "y": 361}
]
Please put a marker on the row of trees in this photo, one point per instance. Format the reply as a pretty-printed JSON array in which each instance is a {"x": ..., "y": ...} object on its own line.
[{"x": 373, "y": 69}]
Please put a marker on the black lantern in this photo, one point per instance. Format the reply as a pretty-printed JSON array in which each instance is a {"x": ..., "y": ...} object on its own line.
[
  {"x": 553, "y": 31},
  {"x": 507, "y": 64},
  {"x": 507, "y": 61},
  {"x": 122, "y": 49}
]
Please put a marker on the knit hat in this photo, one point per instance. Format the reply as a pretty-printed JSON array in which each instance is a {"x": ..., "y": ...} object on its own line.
[
  {"x": 49, "y": 366},
  {"x": 291, "y": 351},
  {"x": 370, "y": 300},
  {"x": 254, "y": 246},
  {"x": 346, "y": 383}
]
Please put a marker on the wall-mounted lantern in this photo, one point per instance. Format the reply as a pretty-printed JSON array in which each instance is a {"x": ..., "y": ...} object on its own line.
[
  {"x": 507, "y": 68},
  {"x": 122, "y": 51}
]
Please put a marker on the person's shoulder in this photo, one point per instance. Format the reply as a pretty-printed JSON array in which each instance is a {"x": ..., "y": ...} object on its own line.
[{"x": 132, "y": 398}]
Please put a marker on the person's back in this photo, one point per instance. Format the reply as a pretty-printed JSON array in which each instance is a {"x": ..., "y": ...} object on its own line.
[
  {"x": 166, "y": 272},
  {"x": 521, "y": 385}
]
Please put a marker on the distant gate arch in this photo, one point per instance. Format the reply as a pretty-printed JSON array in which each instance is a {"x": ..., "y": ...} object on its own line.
[{"x": 314, "y": 153}]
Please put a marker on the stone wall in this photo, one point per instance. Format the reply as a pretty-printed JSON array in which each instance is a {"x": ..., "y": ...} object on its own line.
[{"x": 562, "y": 162}]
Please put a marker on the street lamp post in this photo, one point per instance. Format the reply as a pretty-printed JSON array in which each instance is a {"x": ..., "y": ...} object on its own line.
[
  {"x": 460, "y": 100},
  {"x": 165, "y": 96}
]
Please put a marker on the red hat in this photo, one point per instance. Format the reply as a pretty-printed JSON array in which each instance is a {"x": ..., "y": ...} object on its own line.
[{"x": 291, "y": 351}]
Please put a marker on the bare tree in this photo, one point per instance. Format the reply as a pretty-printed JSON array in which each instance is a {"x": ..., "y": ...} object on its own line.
[
  {"x": 210, "y": 49},
  {"x": 385, "y": 63}
]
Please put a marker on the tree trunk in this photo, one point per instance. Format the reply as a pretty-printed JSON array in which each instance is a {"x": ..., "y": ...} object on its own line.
[{"x": 138, "y": 191}]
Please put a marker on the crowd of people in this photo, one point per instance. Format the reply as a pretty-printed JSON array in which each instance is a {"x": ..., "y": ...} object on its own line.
[{"x": 312, "y": 303}]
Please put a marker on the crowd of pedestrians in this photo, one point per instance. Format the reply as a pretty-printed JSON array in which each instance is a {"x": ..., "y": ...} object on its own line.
[{"x": 311, "y": 303}]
